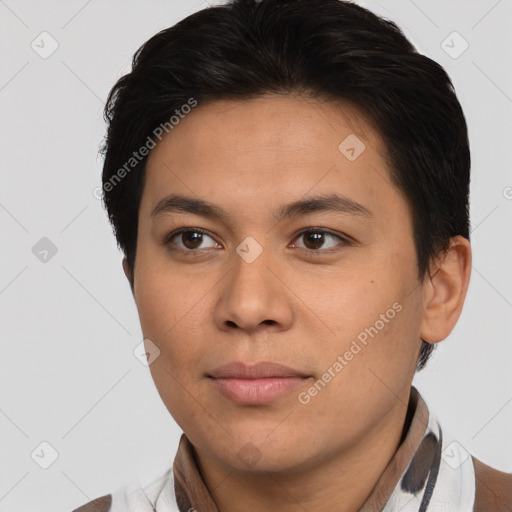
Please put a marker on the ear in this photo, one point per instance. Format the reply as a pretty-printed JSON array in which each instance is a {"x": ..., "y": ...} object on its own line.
[
  {"x": 445, "y": 291},
  {"x": 128, "y": 272}
]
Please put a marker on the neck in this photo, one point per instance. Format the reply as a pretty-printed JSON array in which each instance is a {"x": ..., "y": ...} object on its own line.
[{"x": 342, "y": 482}]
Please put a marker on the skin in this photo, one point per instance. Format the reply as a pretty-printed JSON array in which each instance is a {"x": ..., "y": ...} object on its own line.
[{"x": 300, "y": 303}]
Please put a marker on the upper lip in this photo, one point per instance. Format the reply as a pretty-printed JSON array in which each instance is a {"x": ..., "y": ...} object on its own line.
[{"x": 265, "y": 369}]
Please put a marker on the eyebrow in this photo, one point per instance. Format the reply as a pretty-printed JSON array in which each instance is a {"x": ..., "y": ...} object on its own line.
[{"x": 334, "y": 203}]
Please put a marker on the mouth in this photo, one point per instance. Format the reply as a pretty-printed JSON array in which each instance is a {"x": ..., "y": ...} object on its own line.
[{"x": 255, "y": 384}]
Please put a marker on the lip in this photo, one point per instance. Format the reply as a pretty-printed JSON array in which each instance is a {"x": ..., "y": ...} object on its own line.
[
  {"x": 257, "y": 383},
  {"x": 261, "y": 370}
]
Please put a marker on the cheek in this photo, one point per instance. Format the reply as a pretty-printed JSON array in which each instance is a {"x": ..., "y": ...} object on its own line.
[
  {"x": 373, "y": 319},
  {"x": 163, "y": 299},
  {"x": 158, "y": 312},
  {"x": 347, "y": 302},
  {"x": 171, "y": 316},
  {"x": 377, "y": 362}
]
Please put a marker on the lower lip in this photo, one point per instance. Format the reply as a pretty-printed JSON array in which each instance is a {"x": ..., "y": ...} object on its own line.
[{"x": 256, "y": 391}]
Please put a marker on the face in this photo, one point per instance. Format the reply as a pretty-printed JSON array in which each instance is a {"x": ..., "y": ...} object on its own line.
[{"x": 327, "y": 288}]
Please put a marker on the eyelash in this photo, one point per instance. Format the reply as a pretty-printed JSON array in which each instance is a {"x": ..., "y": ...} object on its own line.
[{"x": 345, "y": 240}]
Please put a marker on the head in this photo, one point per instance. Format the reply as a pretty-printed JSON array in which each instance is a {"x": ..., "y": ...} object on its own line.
[{"x": 245, "y": 124}]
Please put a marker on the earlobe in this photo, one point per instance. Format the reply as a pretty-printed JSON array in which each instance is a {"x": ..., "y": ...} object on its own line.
[
  {"x": 126, "y": 268},
  {"x": 128, "y": 272},
  {"x": 445, "y": 291}
]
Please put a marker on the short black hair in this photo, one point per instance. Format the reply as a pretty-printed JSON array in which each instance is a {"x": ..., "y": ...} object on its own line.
[{"x": 324, "y": 49}]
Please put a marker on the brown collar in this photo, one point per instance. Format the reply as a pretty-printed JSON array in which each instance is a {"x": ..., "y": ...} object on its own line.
[
  {"x": 410, "y": 465},
  {"x": 192, "y": 492}
]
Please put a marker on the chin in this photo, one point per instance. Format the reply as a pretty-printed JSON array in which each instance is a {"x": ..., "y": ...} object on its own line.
[{"x": 280, "y": 454}]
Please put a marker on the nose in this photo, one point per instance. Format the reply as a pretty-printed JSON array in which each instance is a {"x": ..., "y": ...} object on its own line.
[{"x": 254, "y": 294}]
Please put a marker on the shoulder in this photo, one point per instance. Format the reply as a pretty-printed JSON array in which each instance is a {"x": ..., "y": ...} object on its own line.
[
  {"x": 493, "y": 489},
  {"x": 98, "y": 505}
]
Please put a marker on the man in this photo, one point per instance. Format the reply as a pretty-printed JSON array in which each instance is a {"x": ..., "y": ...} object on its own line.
[{"x": 288, "y": 181}]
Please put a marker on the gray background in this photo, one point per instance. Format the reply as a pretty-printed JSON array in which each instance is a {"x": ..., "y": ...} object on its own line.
[{"x": 68, "y": 325}]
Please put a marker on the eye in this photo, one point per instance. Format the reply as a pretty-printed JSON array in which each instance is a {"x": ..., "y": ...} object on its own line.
[
  {"x": 315, "y": 238},
  {"x": 190, "y": 238}
]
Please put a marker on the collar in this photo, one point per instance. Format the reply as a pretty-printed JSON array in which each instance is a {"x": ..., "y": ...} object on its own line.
[
  {"x": 429, "y": 471},
  {"x": 428, "y": 468}
]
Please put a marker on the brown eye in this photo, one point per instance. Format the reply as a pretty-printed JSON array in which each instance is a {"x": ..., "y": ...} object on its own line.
[
  {"x": 315, "y": 239},
  {"x": 189, "y": 239}
]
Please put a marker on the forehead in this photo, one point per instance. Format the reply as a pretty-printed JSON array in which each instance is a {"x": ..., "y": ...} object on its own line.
[
  {"x": 269, "y": 150},
  {"x": 271, "y": 124}
]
